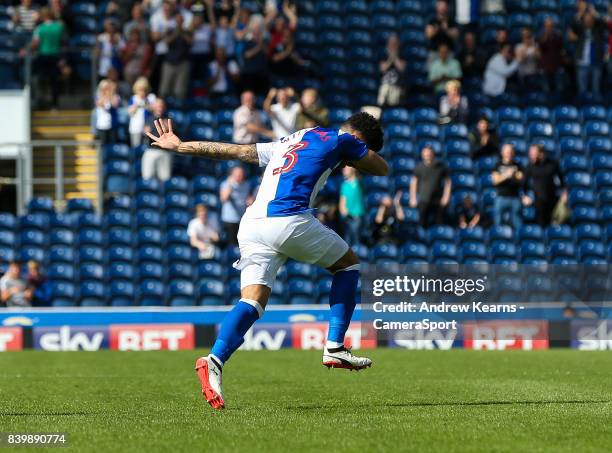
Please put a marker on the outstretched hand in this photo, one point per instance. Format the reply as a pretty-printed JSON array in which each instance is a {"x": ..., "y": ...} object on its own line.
[{"x": 167, "y": 139}]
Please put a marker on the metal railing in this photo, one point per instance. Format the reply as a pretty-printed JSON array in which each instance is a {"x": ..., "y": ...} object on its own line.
[{"x": 24, "y": 182}]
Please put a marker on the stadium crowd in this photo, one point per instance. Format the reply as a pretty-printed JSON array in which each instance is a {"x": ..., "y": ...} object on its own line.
[{"x": 154, "y": 53}]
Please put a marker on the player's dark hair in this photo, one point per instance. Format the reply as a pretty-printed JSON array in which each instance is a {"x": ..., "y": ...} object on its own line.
[{"x": 370, "y": 129}]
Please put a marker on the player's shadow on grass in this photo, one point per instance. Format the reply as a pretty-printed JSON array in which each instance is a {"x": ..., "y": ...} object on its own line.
[{"x": 453, "y": 403}]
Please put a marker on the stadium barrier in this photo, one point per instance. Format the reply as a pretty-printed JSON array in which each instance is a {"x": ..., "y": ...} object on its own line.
[{"x": 294, "y": 327}]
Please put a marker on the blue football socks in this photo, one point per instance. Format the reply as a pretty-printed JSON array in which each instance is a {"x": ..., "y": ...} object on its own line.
[
  {"x": 235, "y": 325},
  {"x": 342, "y": 304}
]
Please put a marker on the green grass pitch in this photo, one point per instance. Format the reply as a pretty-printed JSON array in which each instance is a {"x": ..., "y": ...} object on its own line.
[{"x": 558, "y": 400}]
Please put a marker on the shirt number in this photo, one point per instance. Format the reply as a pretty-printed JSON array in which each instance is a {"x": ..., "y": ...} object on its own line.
[{"x": 291, "y": 158}]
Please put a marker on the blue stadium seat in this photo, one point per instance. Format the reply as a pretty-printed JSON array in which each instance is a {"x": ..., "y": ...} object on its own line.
[
  {"x": 34, "y": 221},
  {"x": 91, "y": 271},
  {"x": 566, "y": 113},
  {"x": 62, "y": 294},
  {"x": 150, "y": 236},
  {"x": 472, "y": 249},
  {"x": 150, "y": 254},
  {"x": 92, "y": 294},
  {"x": 181, "y": 293},
  {"x": 588, "y": 231},
  {"x": 596, "y": 129},
  {"x": 7, "y": 238},
  {"x": 530, "y": 232},
  {"x": 176, "y": 218},
  {"x": 120, "y": 236},
  {"x": 61, "y": 254},
  {"x": 211, "y": 292},
  {"x": 151, "y": 293},
  {"x": 42, "y": 205},
  {"x": 61, "y": 272},
  {"x": 511, "y": 129},
  {"x": 180, "y": 254},
  {"x": 91, "y": 254},
  {"x": 475, "y": 234},
  {"x": 206, "y": 184},
  {"x": 597, "y": 144},
  {"x": 412, "y": 250},
  {"x": 424, "y": 115},
  {"x": 591, "y": 249},
  {"x": 122, "y": 254},
  {"x": 121, "y": 271},
  {"x": 441, "y": 233},
  {"x": 122, "y": 293},
  {"x": 117, "y": 218},
  {"x": 500, "y": 233},
  {"x": 532, "y": 249},
  {"x": 562, "y": 248},
  {"x": 90, "y": 236},
  {"x": 80, "y": 206},
  {"x": 147, "y": 218},
  {"x": 148, "y": 200},
  {"x": 32, "y": 237}
]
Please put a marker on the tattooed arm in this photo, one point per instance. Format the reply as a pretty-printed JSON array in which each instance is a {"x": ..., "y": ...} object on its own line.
[{"x": 212, "y": 150}]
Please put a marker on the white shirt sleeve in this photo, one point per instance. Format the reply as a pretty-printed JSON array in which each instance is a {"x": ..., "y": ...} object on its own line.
[{"x": 265, "y": 151}]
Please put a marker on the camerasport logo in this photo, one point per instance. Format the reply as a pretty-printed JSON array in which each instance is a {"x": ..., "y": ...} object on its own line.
[
  {"x": 152, "y": 337},
  {"x": 70, "y": 338},
  {"x": 592, "y": 335},
  {"x": 11, "y": 339},
  {"x": 314, "y": 335},
  {"x": 500, "y": 335},
  {"x": 267, "y": 336}
]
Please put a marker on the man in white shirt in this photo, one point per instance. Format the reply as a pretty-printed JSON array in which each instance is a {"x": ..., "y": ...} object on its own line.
[
  {"x": 283, "y": 113},
  {"x": 221, "y": 71},
  {"x": 203, "y": 233},
  {"x": 248, "y": 124},
  {"x": 499, "y": 69}
]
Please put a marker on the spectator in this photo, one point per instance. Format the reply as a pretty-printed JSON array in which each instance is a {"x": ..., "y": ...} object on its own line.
[
  {"x": 13, "y": 290},
  {"x": 203, "y": 234},
  {"x": 38, "y": 285},
  {"x": 528, "y": 56},
  {"x": 201, "y": 49},
  {"x": 175, "y": 69},
  {"x": 109, "y": 46},
  {"x": 136, "y": 57},
  {"x": 430, "y": 188},
  {"x": 280, "y": 27},
  {"x": 105, "y": 114},
  {"x": 241, "y": 30},
  {"x": 163, "y": 22},
  {"x": 442, "y": 28},
  {"x": 472, "y": 57},
  {"x": 138, "y": 23},
  {"x": 484, "y": 141},
  {"x": 235, "y": 194},
  {"x": 388, "y": 219},
  {"x": 453, "y": 106},
  {"x": 543, "y": 176},
  {"x": 224, "y": 74},
  {"x": 552, "y": 55},
  {"x": 311, "y": 113},
  {"x": 24, "y": 16},
  {"x": 391, "y": 69},
  {"x": 508, "y": 178},
  {"x": 443, "y": 69},
  {"x": 351, "y": 205},
  {"x": 248, "y": 123},
  {"x": 468, "y": 213},
  {"x": 255, "y": 61},
  {"x": 500, "y": 68},
  {"x": 47, "y": 40},
  {"x": 502, "y": 37},
  {"x": 156, "y": 163},
  {"x": 139, "y": 109},
  {"x": 282, "y": 114},
  {"x": 588, "y": 34},
  {"x": 284, "y": 59},
  {"x": 224, "y": 31}
]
